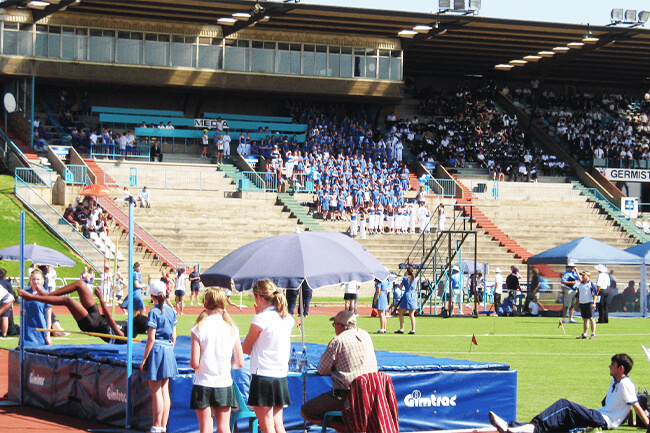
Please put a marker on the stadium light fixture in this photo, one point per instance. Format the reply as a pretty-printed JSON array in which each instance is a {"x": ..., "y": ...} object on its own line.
[
  {"x": 407, "y": 33},
  {"x": 422, "y": 28},
  {"x": 617, "y": 15},
  {"x": 575, "y": 45},
  {"x": 546, "y": 53},
  {"x": 532, "y": 58},
  {"x": 503, "y": 67},
  {"x": 518, "y": 62},
  {"x": 643, "y": 16},
  {"x": 459, "y": 5},
  {"x": 561, "y": 49},
  {"x": 35, "y": 4},
  {"x": 589, "y": 37},
  {"x": 475, "y": 5},
  {"x": 630, "y": 16},
  {"x": 227, "y": 21},
  {"x": 258, "y": 8}
]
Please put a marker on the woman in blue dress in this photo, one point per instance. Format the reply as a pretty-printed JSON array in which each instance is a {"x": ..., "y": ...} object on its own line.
[
  {"x": 409, "y": 302},
  {"x": 380, "y": 302},
  {"x": 159, "y": 362}
]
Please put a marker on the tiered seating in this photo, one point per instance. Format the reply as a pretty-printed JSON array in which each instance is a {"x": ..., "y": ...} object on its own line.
[
  {"x": 609, "y": 131},
  {"x": 467, "y": 127}
]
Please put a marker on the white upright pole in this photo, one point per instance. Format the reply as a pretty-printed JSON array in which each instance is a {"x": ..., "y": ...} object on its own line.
[{"x": 129, "y": 342}]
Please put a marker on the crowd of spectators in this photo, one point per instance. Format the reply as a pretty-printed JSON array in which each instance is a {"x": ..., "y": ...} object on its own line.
[
  {"x": 87, "y": 216},
  {"x": 354, "y": 166},
  {"x": 465, "y": 126},
  {"x": 610, "y": 126}
]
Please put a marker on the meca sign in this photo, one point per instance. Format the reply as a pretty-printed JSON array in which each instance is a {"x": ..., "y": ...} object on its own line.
[
  {"x": 209, "y": 123},
  {"x": 415, "y": 399}
]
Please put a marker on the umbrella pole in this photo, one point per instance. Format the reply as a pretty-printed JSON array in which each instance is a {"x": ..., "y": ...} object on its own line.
[{"x": 302, "y": 315}]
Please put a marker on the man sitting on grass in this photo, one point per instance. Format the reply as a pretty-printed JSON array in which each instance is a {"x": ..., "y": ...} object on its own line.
[
  {"x": 85, "y": 311},
  {"x": 564, "y": 415}
]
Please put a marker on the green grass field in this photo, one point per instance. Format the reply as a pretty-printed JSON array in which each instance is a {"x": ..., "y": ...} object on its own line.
[
  {"x": 10, "y": 209},
  {"x": 550, "y": 364}
]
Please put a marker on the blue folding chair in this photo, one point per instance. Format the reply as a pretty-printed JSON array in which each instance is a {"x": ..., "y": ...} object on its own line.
[{"x": 242, "y": 412}]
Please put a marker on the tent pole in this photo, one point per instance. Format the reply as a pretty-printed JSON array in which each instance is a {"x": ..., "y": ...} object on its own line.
[{"x": 644, "y": 291}]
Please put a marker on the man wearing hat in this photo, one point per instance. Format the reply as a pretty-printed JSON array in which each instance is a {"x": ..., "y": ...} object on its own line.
[
  {"x": 454, "y": 290},
  {"x": 587, "y": 303},
  {"x": 603, "y": 284},
  {"x": 350, "y": 354},
  {"x": 570, "y": 281}
]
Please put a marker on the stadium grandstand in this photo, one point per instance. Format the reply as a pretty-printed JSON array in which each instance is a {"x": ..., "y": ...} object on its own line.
[
  {"x": 249, "y": 119},
  {"x": 442, "y": 142}
]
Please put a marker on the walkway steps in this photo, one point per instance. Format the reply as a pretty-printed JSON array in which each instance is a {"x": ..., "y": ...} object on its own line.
[{"x": 300, "y": 212}]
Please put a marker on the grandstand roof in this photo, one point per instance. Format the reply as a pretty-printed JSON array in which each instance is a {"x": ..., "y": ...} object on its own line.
[{"x": 460, "y": 45}]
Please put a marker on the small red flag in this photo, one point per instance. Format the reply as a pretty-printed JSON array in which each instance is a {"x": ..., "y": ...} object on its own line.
[
  {"x": 559, "y": 325},
  {"x": 474, "y": 340}
]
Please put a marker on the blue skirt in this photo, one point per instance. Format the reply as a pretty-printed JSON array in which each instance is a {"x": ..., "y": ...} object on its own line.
[
  {"x": 161, "y": 363},
  {"x": 382, "y": 302},
  {"x": 138, "y": 300},
  {"x": 409, "y": 300}
]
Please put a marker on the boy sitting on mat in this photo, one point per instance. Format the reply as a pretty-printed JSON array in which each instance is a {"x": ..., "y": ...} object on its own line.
[{"x": 85, "y": 311}]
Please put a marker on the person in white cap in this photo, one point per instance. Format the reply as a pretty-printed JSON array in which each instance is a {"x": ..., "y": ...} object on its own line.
[
  {"x": 603, "y": 284},
  {"x": 350, "y": 354},
  {"x": 570, "y": 281},
  {"x": 587, "y": 303},
  {"x": 159, "y": 362},
  {"x": 498, "y": 289}
]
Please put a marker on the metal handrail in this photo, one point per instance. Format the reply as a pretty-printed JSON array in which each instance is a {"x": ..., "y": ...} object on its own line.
[
  {"x": 163, "y": 178},
  {"x": 19, "y": 183},
  {"x": 35, "y": 175},
  {"x": 76, "y": 175}
]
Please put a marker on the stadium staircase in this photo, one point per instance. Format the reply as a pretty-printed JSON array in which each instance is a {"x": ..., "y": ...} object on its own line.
[
  {"x": 299, "y": 211},
  {"x": 614, "y": 212},
  {"x": 142, "y": 237},
  {"x": 29, "y": 153},
  {"x": 154, "y": 251}
]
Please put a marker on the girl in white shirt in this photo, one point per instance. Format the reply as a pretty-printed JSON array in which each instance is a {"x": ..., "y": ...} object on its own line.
[
  {"x": 216, "y": 349},
  {"x": 269, "y": 343}
]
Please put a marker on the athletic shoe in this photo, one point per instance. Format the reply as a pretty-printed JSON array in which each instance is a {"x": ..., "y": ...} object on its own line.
[
  {"x": 592, "y": 337},
  {"x": 526, "y": 428},
  {"x": 381, "y": 331},
  {"x": 498, "y": 422},
  {"x": 411, "y": 332},
  {"x": 572, "y": 321},
  {"x": 565, "y": 320},
  {"x": 581, "y": 337},
  {"x": 399, "y": 331}
]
